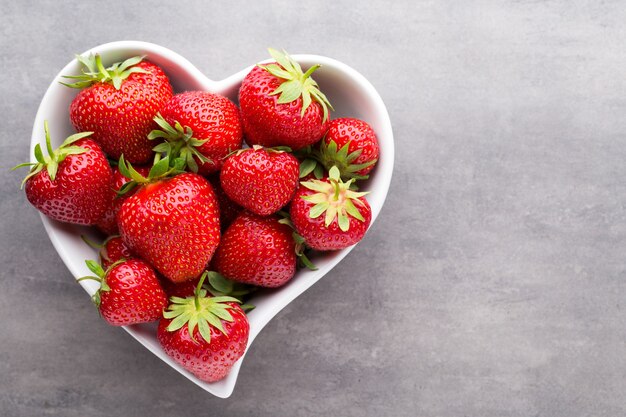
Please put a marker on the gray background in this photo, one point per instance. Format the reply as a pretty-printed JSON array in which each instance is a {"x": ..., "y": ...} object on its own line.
[{"x": 493, "y": 283}]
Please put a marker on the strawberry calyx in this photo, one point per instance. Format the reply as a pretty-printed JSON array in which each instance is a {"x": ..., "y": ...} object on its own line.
[
  {"x": 328, "y": 155},
  {"x": 218, "y": 285},
  {"x": 179, "y": 143},
  {"x": 301, "y": 246},
  {"x": 335, "y": 199},
  {"x": 100, "y": 276},
  {"x": 93, "y": 71},
  {"x": 201, "y": 311},
  {"x": 160, "y": 170},
  {"x": 55, "y": 157},
  {"x": 296, "y": 82}
]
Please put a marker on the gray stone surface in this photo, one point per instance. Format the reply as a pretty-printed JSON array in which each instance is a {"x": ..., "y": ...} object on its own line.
[{"x": 493, "y": 283}]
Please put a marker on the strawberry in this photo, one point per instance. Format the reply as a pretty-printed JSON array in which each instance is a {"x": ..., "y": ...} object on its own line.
[
  {"x": 118, "y": 104},
  {"x": 257, "y": 250},
  {"x": 229, "y": 210},
  {"x": 205, "y": 335},
  {"x": 129, "y": 292},
  {"x": 108, "y": 223},
  {"x": 173, "y": 223},
  {"x": 75, "y": 185},
  {"x": 201, "y": 127},
  {"x": 112, "y": 250},
  {"x": 350, "y": 145},
  {"x": 260, "y": 180},
  {"x": 347, "y": 214},
  {"x": 281, "y": 105}
]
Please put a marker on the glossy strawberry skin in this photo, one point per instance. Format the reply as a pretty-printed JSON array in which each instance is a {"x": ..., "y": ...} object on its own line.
[
  {"x": 314, "y": 231},
  {"x": 210, "y": 116},
  {"x": 257, "y": 250},
  {"x": 121, "y": 119},
  {"x": 173, "y": 224},
  {"x": 135, "y": 294},
  {"x": 259, "y": 180},
  {"x": 268, "y": 123},
  {"x": 108, "y": 222},
  {"x": 113, "y": 250},
  {"x": 212, "y": 361},
  {"x": 359, "y": 135},
  {"x": 80, "y": 193}
]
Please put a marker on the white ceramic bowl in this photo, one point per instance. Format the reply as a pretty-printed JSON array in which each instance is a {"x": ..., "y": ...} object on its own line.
[{"x": 349, "y": 92}]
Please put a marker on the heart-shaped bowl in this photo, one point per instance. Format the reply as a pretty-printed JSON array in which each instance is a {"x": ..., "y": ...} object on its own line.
[{"x": 349, "y": 92}]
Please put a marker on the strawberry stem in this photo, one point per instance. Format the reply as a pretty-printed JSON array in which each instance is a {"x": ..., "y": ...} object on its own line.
[
  {"x": 310, "y": 71},
  {"x": 198, "y": 288}
]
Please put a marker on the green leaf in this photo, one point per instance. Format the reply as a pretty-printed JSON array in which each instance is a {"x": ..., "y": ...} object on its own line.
[
  {"x": 352, "y": 210},
  {"x": 289, "y": 91},
  {"x": 75, "y": 137},
  {"x": 191, "y": 326},
  {"x": 122, "y": 167},
  {"x": 126, "y": 188},
  {"x": 95, "y": 268},
  {"x": 178, "y": 322},
  {"x": 344, "y": 222},
  {"x": 281, "y": 58},
  {"x": 70, "y": 150},
  {"x": 319, "y": 186},
  {"x": 159, "y": 169},
  {"x": 162, "y": 147},
  {"x": 318, "y": 209},
  {"x": 214, "y": 321},
  {"x": 220, "y": 283},
  {"x": 88, "y": 62},
  {"x": 277, "y": 71},
  {"x": 223, "y": 314},
  {"x": 225, "y": 299},
  {"x": 39, "y": 154},
  {"x": 331, "y": 213},
  {"x": 130, "y": 62},
  {"x": 307, "y": 166},
  {"x": 318, "y": 172},
  {"x": 247, "y": 307},
  {"x": 52, "y": 168},
  {"x": 306, "y": 261},
  {"x": 204, "y": 330}
]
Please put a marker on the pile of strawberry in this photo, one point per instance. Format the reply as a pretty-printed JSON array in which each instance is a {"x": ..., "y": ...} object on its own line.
[{"x": 196, "y": 221}]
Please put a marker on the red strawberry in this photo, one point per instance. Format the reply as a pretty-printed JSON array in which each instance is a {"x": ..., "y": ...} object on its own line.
[
  {"x": 201, "y": 127},
  {"x": 229, "y": 210},
  {"x": 205, "y": 335},
  {"x": 118, "y": 104},
  {"x": 261, "y": 180},
  {"x": 112, "y": 250},
  {"x": 129, "y": 292},
  {"x": 281, "y": 105},
  {"x": 328, "y": 215},
  {"x": 172, "y": 223},
  {"x": 257, "y": 250},
  {"x": 75, "y": 185},
  {"x": 108, "y": 223},
  {"x": 350, "y": 145}
]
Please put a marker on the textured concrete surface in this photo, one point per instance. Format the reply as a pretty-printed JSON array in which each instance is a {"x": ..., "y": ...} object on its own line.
[{"x": 493, "y": 283}]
